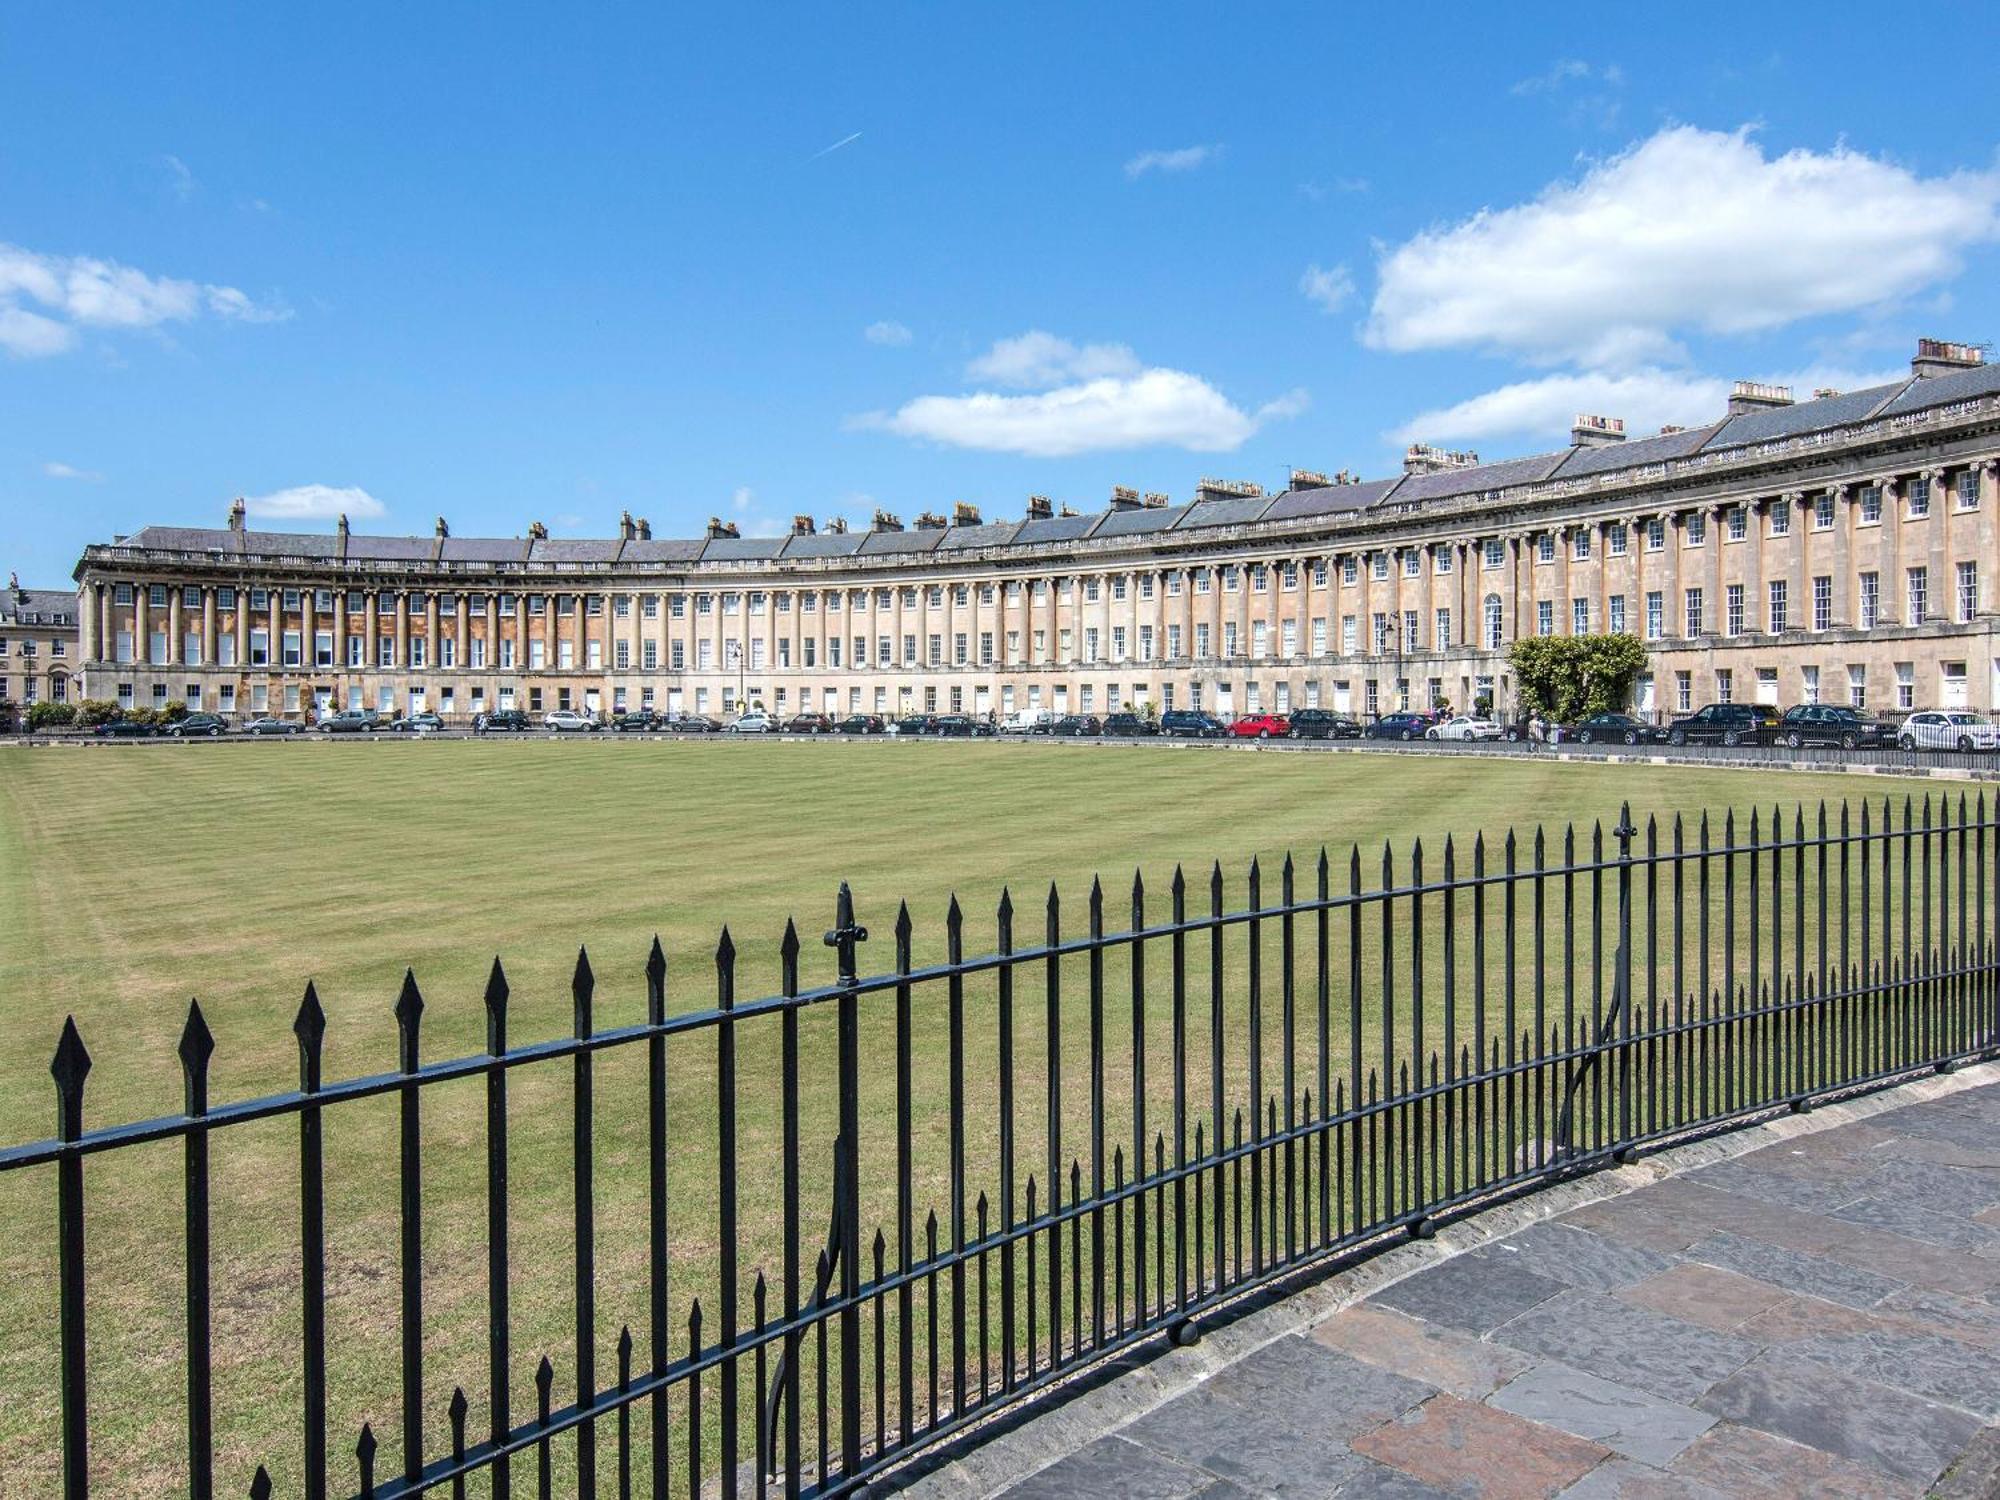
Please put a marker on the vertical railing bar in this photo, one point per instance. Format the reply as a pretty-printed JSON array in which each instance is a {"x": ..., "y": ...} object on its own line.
[
  {"x": 726, "y": 1225},
  {"x": 197, "y": 1046},
  {"x": 309, "y": 1027},
  {"x": 583, "y": 1155}
]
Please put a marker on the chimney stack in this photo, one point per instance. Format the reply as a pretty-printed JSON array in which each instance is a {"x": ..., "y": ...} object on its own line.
[
  {"x": 836, "y": 526},
  {"x": 1227, "y": 489},
  {"x": 1596, "y": 432},
  {"x": 443, "y": 530},
  {"x": 537, "y": 532},
  {"x": 1754, "y": 395},
  {"x": 1155, "y": 501},
  {"x": 1941, "y": 357},
  {"x": 964, "y": 514},
  {"x": 802, "y": 525},
  {"x": 627, "y": 530},
  {"x": 721, "y": 530},
  {"x": 645, "y": 529},
  {"x": 1309, "y": 479},
  {"x": 1422, "y": 458},
  {"x": 1124, "y": 498},
  {"x": 885, "y": 522},
  {"x": 1040, "y": 508},
  {"x": 236, "y": 513},
  {"x": 930, "y": 520}
]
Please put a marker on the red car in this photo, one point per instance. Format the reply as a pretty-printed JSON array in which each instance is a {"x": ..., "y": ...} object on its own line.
[{"x": 1261, "y": 727}]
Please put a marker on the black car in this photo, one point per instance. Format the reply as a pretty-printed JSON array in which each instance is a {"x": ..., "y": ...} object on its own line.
[
  {"x": 913, "y": 724},
  {"x": 1076, "y": 724},
  {"x": 503, "y": 721},
  {"x": 809, "y": 724},
  {"x": 642, "y": 721},
  {"x": 1130, "y": 726},
  {"x": 125, "y": 729},
  {"x": 208, "y": 726},
  {"x": 1192, "y": 723},
  {"x": 860, "y": 724},
  {"x": 1613, "y": 729},
  {"x": 1323, "y": 724},
  {"x": 1725, "y": 724},
  {"x": 692, "y": 724},
  {"x": 1401, "y": 726},
  {"x": 1833, "y": 724}
]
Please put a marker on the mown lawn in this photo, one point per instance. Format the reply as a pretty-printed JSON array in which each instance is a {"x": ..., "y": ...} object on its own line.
[{"x": 135, "y": 878}]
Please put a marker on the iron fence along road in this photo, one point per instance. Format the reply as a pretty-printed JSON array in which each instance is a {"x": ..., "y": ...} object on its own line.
[{"x": 1470, "y": 1022}]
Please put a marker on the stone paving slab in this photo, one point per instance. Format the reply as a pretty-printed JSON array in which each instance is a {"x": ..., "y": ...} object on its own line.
[{"x": 1806, "y": 1309}]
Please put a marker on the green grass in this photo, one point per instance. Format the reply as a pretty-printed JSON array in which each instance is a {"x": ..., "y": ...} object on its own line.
[{"x": 135, "y": 878}]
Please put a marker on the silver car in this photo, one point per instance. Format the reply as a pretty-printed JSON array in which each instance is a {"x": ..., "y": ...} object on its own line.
[{"x": 1948, "y": 729}]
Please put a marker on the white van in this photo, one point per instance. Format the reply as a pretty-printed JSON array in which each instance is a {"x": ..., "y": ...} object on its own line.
[{"x": 1029, "y": 721}]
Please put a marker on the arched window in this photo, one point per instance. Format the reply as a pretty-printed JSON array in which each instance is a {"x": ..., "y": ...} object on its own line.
[{"x": 1495, "y": 622}]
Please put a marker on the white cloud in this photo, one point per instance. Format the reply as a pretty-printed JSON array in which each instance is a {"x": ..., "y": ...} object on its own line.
[
  {"x": 1646, "y": 398},
  {"x": 888, "y": 332},
  {"x": 315, "y": 502},
  {"x": 179, "y": 179},
  {"x": 67, "y": 471},
  {"x": 1086, "y": 398},
  {"x": 1036, "y": 358},
  {"x": 69, "y": 292},
  {"x": 1570, "y": 70},
  {"x": 1329, "y": 287},
  {"x": 1186, "y": 159},
  {"x": 1690, "y": 230},
  {"x": 743, "y": 498},
  {"x": 846, "y": 140}
]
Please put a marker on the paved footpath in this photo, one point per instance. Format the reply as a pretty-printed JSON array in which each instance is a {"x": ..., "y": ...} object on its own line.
[{"x": 1819, "y": 1316}]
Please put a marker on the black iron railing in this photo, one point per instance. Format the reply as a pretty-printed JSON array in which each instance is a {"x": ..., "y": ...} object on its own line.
[{"x": 1446, "y": 1035}]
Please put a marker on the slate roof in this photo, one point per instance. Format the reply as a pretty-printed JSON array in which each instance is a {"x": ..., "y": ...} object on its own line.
[
  {"x": 1234, "y": 511},
  {"x": 1329, "y": 500},
  {"x": 575, "y": 550},
  {"x": 1635, "y": 452},
  {"x": 992, "y": 534},
  {"x": 741, "y": 548},
  {"x": 1495, "y": 476},
  {"x": 1055, "y": 529},
  {"x": 1941, "y": 390},
  {"x": 665, "y": 549},
  {"x": 484, "y": 549},
  {"x": 1803, "y": 416},
  {"x": 52, "y": 606},
  {"x": 1148, "y": 518},
  {"x": 925, "y": 540},
  {"x": 824, "y": 544},
  {"x": 393, "y": 548}
]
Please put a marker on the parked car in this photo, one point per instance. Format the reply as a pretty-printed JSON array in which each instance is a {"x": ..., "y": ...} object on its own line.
[
  {"x": 1323, "y": 724},
  {"x": 1074, "y": 726},
  {"x": 913, "y": 724},
  {"x": 860, "y": 724},
  {"x": 423, "y": 722},
  {"x": 1407, "y": 725},
  {"x": 1613, "y": 729},
  {"x": 1029, "y": 721},
  {"x": 1726, "y": 724},
  {"x": 1261, "y": 727},
  {"x": 124, "y": 729},
  {"x": 502, "y": 721},
  {"x": 208, "y": 726},
  {"x": 955, "y": 726},
  {"x": 639, "y": 721},
  {"x": 754, "y": 722},
  {"x": 1192, "y": 723},
  {"x": 1463, "y": 727},
  {"x": 692, "y": 724},
  {"x": 265, "y": 724},
  {"x": 348, "y": 721},
  {"x": 809, "y": 724},
  {"x": 1948, "y": 729},
  {"x": 1833, "y": 724},
  {"x": 1130, "y": 726}
]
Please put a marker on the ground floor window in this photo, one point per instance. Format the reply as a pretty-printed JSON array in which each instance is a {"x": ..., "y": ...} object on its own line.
[
  {"x": 1906, "y": 684},
  {"x": 1684, "y": 692},
  {"x": 1857, "y": 686},
  {"x": 1725, "y": 685}
]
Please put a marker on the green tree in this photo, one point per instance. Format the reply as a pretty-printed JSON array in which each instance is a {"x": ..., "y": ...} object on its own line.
[
  {"x": 1566, "y": 677},
  {"x": 94, "y": 711},
  {"x": 50, "y": 715}
]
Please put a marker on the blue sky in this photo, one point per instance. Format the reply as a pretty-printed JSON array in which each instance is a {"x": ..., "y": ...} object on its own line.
[{"x": 507, "y": 265}]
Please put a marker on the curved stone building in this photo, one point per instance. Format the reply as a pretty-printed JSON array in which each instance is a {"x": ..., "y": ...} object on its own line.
[{"x": 1837, "y": 549}]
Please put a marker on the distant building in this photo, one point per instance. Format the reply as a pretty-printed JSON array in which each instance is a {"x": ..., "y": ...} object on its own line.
[
  {"x": 38, "y": 645},
  {"x": 1841, "y": 549}
]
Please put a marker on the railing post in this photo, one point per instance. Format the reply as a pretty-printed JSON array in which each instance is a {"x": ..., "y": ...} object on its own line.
[
  {"x": 846, "y": 934},
  {"x": 70, "y": 1067},
  {"x": 1621, "y": 995}
]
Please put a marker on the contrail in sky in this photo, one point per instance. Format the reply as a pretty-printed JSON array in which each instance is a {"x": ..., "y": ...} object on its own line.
[{"x": 844, "y": 141}]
